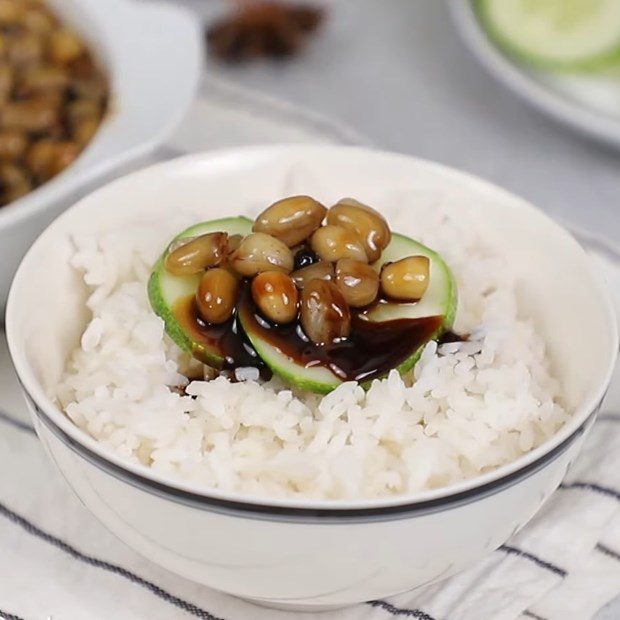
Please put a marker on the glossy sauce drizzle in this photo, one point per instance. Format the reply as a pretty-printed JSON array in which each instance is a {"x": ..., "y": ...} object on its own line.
[
  {"x": 450, "y": 336},
  {"x": 371, "y": 351},
  {"x": 228, "y": 339}
]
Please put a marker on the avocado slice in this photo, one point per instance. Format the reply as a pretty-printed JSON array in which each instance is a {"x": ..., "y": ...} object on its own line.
[
  {"x": 167, "y": 291},
  {"x": 388, "y": 328}
]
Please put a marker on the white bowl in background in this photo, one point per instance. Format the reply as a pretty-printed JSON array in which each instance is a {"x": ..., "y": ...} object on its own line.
[
  {"x": 311, "y": 554},
  {"x": 152, "y": 54}
]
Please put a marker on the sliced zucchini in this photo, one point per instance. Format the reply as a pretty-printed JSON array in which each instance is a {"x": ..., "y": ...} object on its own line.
[
  {"x": 440, "y": 297},
  {"x": 555, "y": 34},
  {"x": 166, "y": 290},
  {"x": 317, "y": 378},
  {"x": 438, "y": 305},
  {"x": 384, "y": 336}
]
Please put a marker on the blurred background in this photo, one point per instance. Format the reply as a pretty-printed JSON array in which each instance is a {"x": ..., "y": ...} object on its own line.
[{"x": 400, "y": 75}]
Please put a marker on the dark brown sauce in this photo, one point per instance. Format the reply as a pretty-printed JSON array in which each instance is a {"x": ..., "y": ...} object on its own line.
[
  {"x": 450, "y": 336},
  {"x": 371, "y": 351},
  {"x": 227, "y": 340}
]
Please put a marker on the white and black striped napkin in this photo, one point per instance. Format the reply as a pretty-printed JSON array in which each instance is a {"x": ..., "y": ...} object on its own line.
[{"x": 57, "y": 562}]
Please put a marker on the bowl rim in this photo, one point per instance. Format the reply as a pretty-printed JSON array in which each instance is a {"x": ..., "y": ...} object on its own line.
[
  {"x": 272, "y": 512},
  {"x": 74, "y": 437}
]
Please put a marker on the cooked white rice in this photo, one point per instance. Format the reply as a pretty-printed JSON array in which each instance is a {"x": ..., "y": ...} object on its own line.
[{"x": 467, "y": 408}]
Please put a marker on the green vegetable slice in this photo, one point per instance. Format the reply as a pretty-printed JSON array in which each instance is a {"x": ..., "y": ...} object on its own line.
[
  {"x": 555, "y": 34},
  {"x": 165, "y": 289},
  {"x": 440, "y": 300}
]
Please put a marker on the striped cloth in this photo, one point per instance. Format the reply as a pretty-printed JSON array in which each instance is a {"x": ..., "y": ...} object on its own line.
[{"x": 57, "y": 562}]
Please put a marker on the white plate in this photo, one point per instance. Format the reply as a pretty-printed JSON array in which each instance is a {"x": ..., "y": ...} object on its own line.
[{"x": 587, "y": 103}]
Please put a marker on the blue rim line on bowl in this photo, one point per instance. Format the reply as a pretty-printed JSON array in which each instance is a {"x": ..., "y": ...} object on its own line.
[
  {"x": 253, "y": 510},
  {"x": 490, "y": 482}
]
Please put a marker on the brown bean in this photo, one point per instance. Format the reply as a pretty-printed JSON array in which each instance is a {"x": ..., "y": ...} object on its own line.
[
  {"x": 6, "y": 82},
  {"x": 40, "y": 158},
  {"x": 11, "y": 12},
  {"x": 35, "y": 115},
  {"x": 41, "y": 78},
  {"x": 332, "y": 243},
  {"x": 14, "y": 182},
  {"x": 325, "y": 316},
  {"x": 259, "y": 252},
  {"x": 234, "y": 241},
  {"x": 276, "y": 296},
  {"x": 93, "y": 88},
  {"x": 370, "y": 225},
  {"x": 84, "y": 67},
  {"x": 65, "y": 46},
  {"x": 47, "y": 157},
  {"x": 358, "y": 282},
  {"x": 25, "y": 49},
  {"x": 84, "y": 118},
  {"x": 53, "y": 99},
  {"x": 82, "y": 109},
  {"x": 13, "y": 144},
  {"x": 84, "y": 130},
  {"x": 38, "y": 21},
  {"x": 292, "y": 220},
  {"x": 322, "y": 270},
  {"x": 66, "y": 153},
  {"x": 198, "y": 254},
  {"x": 217, "y": 295},
  {"x": 406, "y": 279}
]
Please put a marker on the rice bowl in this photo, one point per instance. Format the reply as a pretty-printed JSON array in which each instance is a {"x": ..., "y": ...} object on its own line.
[
  {"x": 466, "y": 408},
  {"x": 333, "y": 536}
]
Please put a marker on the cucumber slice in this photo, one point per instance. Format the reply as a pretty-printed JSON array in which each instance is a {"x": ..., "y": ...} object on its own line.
[
  {"x": 381, "y": 329},
  {"x": 165, "y": 290},
  {"x": 556, "y": 34},
  {"x": 440, "y": 297},
  {"x": 317, "y": 379},
  {"x": 438, "y": 306}
]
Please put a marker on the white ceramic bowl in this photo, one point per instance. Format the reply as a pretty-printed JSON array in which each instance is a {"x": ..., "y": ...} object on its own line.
[
  {"x": 152, "y": 53},
  {"x": 311, "y": 554}
]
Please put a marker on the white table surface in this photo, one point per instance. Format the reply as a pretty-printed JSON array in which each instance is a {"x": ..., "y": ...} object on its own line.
[{"x": 397, "y": 72}]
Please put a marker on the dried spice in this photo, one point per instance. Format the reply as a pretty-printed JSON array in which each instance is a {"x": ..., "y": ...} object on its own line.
[{"x": 263, "y": 29}]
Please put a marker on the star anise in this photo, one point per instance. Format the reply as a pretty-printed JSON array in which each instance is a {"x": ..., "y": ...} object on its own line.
[{"x": 263, "y": 29}]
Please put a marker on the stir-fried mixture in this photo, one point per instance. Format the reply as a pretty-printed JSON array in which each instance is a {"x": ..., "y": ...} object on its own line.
[
  {"x": 316, "y": 296},
  {"x": 53, "y": 96}
]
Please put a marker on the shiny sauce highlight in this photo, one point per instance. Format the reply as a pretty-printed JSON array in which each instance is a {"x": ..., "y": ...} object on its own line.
[
  {"x": 371, "y": 350},
  {"x": 227, "y": 340}
]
